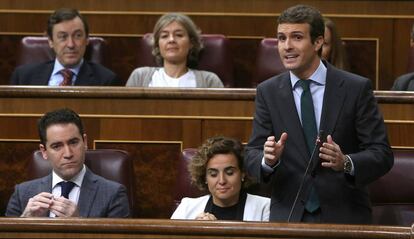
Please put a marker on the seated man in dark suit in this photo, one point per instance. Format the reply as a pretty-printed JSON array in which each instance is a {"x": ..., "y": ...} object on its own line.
[
  {"x": 406, "y": 81},
  {"x": 68, "y": 36},
  {"x": 71, "y": 190}
]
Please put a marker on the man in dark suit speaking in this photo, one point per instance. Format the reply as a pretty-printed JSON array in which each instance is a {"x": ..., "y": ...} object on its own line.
[
  {"x": 68, "y": 36},
  {"x": 71, "y": 190},
  {"x": 291, "y": 108}
]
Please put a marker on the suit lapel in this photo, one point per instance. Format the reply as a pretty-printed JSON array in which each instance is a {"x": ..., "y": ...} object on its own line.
[
  {"x": 42, "y": 76},
  {"x": 46, "y": 184},
  {"x": 333, "y": 100},
  {"x": 290, "y": 117},
  {"x": 85, "y": 75},
  {"x": 88, "y": 191}
]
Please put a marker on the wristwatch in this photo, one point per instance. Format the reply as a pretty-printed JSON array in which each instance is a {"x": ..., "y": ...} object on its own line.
[{"x": 347, "y": 164}]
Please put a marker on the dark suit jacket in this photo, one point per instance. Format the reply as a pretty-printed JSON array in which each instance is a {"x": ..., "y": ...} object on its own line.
[
  {"x": 350, "y": 114},
  {"x": 98, "y": 197},
  {"x": 90, "y": 74},
  {"x": 404, "y": 82}
]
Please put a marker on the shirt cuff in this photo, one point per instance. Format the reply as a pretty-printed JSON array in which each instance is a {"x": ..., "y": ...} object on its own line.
[{"x": 266, "y": 168}]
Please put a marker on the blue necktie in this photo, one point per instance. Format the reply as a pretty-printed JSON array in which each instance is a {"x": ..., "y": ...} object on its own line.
[
  {"x": 310, "y": 131},
  {"x": 66, "y": 188}
]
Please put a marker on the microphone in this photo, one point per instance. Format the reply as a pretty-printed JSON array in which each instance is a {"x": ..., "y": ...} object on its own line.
[{"x": 318, "y": 143}]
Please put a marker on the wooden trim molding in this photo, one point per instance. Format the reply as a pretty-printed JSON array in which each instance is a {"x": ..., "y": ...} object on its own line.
[
  {"x": 103, "y": 141},
  {"x": 161, "y": 228}
]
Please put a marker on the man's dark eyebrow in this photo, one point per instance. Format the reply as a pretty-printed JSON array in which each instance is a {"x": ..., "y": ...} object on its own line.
[
  {"x": 297, "y": 32},
  {"x": 230, "y": 167},
  {"x": 55, "y": 144},
  {"x": 78, "y": 31}
]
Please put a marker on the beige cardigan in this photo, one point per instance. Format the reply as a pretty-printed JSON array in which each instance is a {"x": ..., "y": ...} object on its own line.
[{"x": 141, "y": 77}]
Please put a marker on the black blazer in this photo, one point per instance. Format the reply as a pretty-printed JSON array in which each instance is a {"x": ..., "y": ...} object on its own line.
[
  {"x": 350, "y": 114},
  {"x": 404, "y": 82},
  {"x": 90, "y": 74}
]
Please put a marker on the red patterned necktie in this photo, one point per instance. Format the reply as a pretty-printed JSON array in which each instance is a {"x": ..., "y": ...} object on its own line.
[{"x": 67, "y": 77}]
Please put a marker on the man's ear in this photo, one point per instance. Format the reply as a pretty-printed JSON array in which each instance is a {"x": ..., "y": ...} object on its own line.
[
  {"x": 318, "y": 43},
  {"x": 85, "y": 140},
  {"x": 43, "y": 150},
  {"x": 50, "y": 41}
]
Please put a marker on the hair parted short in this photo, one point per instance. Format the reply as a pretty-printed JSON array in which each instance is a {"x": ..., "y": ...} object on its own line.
[
  {"x": 192, "y": 31},
  {"x": 65, "y": 14},
  {"x": 59, "y": 116}
]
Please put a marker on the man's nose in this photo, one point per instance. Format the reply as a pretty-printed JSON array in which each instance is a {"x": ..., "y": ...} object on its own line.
[
  {"x": 67, "y": 151},
  {"x": 287, "y": 43},
  {"x": 70, "y": 43}
]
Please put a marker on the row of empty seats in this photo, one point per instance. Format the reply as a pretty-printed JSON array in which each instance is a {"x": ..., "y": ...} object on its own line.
[
  {"x": 216, "y": 55},
  {"x": 392, "y": 195}
]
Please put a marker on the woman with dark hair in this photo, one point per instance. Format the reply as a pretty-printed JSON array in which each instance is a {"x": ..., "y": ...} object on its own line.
[
  {"x": 333, "y": 49},
  {"x": 218, "y": 168},
  {"x": 176, "y": 45}
]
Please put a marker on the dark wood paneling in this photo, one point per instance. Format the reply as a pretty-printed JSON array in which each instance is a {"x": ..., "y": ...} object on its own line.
[
  {"x": 18, "y": 128},
  {"x": 378, "y": 7},
  {"x": 9, "y": 46},
  {"x": 14, "y": 155},
  {"x": 362, "y": 58},
  {"x": 398, "y": 111},
  {"x": 370, "y": 28},
  {"x": 155, "y": 172},
  {"x": 398, "y": 133},
  {"x": 186, "y": 131},
  {"x": 401, "y": 45},
  {"x": 239, "y": 129},
  {"x": 122, "y": 55},
  {"x": 244, "y": 59}
]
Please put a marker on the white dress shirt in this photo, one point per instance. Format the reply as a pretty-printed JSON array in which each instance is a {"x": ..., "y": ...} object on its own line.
[{"x": 74, "y": 193}]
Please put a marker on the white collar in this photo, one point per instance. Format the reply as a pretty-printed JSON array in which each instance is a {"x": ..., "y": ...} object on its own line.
[
  {"x": 77, "y": 179},
  {"x": 58, "y": 67}
]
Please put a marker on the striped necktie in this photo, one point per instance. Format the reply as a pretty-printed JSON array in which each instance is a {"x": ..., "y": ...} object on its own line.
[{"x": 67, "y": 77}]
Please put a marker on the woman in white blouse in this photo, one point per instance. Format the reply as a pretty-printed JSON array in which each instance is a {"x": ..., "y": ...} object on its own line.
[
  {"x": 218, "y": 168},
  {"x": 176, "y": 45}
]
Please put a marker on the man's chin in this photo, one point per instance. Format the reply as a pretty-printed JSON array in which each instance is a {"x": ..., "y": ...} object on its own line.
[
  {"x": 70, "y": 172},
  {"x": 290, "y": 67},
  {"x": 70, "y": 63}
]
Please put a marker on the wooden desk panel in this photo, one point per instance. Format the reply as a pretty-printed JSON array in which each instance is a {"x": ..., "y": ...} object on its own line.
[
  {"x": 149, "y": 228},
  {"x": 154, "y": 125}
]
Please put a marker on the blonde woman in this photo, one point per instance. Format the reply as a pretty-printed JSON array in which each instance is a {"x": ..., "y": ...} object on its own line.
[{"x": 176, "y": 44}]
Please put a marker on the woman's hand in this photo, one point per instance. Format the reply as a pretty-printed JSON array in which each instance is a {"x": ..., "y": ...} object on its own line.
[{"x": 206, "y": 216}]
